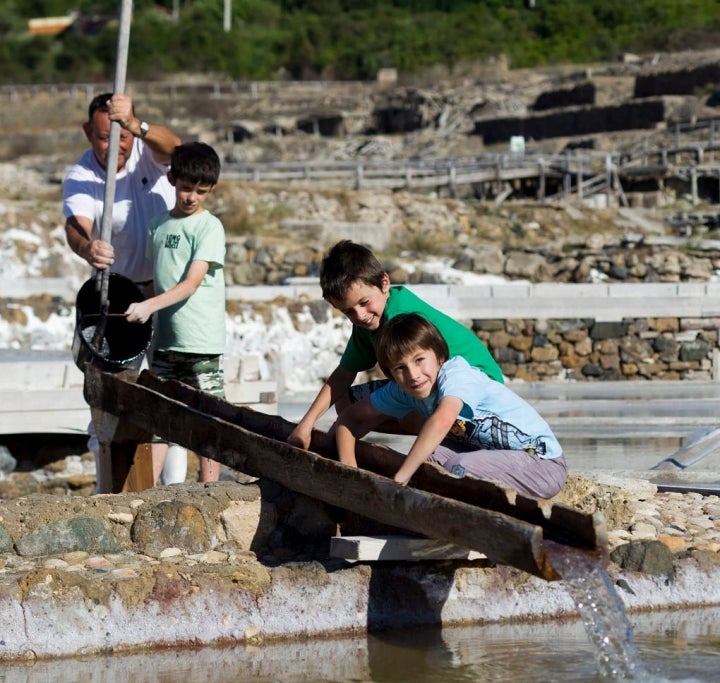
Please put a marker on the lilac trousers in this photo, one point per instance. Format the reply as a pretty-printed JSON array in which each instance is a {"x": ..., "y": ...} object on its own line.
[{"x": 526, "y": 473}]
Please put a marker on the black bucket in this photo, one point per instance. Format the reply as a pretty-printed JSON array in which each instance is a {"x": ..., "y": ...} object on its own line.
[{"x": 124, "y": 344}]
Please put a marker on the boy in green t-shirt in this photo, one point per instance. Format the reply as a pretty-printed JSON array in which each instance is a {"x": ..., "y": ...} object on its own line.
[
  {"x": 353, "y": 281},
  {"x": 187, "y": 246}
]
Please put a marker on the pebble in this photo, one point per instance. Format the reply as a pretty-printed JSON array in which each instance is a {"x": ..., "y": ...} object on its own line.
[{"x": 682, "y": 521}]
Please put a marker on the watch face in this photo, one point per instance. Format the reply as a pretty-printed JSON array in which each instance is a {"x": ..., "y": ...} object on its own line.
[{"x": 144, "y": 128}]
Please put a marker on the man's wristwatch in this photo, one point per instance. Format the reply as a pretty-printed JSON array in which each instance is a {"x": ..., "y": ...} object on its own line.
[{"x": 144, "y": 128}]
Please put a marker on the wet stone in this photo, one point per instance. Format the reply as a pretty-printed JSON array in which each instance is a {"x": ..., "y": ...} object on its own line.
[{"x": 651, "y": 557}]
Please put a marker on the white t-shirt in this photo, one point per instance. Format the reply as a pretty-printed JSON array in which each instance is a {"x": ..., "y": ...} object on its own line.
[{"x": 142, "y": 191}]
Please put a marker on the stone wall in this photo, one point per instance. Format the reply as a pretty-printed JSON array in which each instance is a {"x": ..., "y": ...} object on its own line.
[
  {"x": 630, "y": 258},
  {"x": 681, "y": 82},
  {"x": 583, "y": 349}
]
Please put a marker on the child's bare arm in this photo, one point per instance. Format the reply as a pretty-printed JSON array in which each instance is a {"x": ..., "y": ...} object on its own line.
[
  {"x": 140, "y": 311},
  {"x": 352, "y": 425},
  {"x": 434, "y": 430},
  {"x": 338, "y": 383}
]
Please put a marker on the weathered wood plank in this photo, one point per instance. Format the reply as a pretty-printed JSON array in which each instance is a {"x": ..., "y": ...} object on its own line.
[
  {"x": 139, "y": 476},
  {"x": 397, "y": 548},
  {"x": 559, "y": 522}
]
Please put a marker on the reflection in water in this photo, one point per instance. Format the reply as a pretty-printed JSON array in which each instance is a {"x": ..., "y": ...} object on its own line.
[
  {"x": 674, "y": 646},
  {"x": 419, "y": 655}
]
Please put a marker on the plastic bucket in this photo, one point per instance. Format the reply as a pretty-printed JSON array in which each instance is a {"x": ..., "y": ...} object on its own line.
[{"x": 124, "y": 344}]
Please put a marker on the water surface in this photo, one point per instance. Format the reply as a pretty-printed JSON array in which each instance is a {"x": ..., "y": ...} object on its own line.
[{"x": 673, "y": 646}]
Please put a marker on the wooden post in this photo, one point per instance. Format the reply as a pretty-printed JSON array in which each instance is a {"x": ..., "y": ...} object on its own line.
[
  {"x": 124, "y": 460},
  {"x": 137, "y": 474},
  {"x": 608, "y": 179},
  {"x": 580, "y": 178}
]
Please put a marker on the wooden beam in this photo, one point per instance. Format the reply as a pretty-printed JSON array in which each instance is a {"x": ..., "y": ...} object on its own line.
[{"x": 397, "y": 548}]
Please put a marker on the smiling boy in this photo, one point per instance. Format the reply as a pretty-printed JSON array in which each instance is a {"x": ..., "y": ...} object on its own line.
[
  {"x": 472, "y": 425},
  {"x": 354, "y": 282},
  {"x": 187, "y": 246}
]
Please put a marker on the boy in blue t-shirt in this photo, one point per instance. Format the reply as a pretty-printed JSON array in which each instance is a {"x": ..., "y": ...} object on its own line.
[{"x": 473, "y": 425}]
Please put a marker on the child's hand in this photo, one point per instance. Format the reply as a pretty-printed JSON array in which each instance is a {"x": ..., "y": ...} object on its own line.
[
  {"x": 299, "y": 437},
  {"x": 139, "y": 312},
  {"x": 401, "y": 479}
]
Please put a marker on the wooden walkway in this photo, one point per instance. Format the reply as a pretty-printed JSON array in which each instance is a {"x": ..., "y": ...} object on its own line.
[{"x": 685, "y": 152}]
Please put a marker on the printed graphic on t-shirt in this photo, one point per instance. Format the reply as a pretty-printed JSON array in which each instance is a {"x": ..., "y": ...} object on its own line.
[
  {"x": 172, "y": 241},
  {"x": 491, "y": 432}
]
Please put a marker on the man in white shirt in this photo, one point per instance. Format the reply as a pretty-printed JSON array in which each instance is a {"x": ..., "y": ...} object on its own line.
[{"x": 142, "y": 191}]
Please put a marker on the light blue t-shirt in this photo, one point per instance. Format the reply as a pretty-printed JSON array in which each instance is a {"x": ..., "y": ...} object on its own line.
[
  {"x": 196, "y": 325},
  {"x": 492, "y": 415}
]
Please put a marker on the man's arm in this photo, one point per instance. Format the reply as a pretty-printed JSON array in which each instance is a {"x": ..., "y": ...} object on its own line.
[
  {"x": 140, "y": 311},
  {"x": 78, "y": 231},
  {"x": 336, "y": 385},
  {"x": 434, "y": 430},
  {"x": 159, "y": 139}
]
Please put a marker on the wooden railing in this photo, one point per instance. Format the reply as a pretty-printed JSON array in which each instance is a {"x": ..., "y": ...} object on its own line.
[{"x": 419, "y": 174}]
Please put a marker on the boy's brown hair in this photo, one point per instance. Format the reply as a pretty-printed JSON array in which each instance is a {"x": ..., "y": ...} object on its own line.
[
  {"x": 344, "y": 265},
  {"x": 404, "y": 334},
  {"x": 195, "y": 162}
]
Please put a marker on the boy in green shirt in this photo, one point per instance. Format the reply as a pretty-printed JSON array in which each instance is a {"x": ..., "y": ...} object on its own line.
[{"x": 353, "y": 281}]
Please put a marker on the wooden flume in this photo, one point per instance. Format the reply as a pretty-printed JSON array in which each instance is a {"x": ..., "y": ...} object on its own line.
[{"x": 507, "y": 527}]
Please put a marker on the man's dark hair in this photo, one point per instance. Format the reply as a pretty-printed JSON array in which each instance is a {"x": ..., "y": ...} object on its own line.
[
  {"x": 195, "y": 162},
  {"x": 404, "y": 334},
  {"x": 346, "y": 264},
  {"x": 99, "y": 103}
]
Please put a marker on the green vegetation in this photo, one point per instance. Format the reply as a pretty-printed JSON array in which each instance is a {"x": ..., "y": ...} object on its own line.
[{"x": 342, "y": 39}]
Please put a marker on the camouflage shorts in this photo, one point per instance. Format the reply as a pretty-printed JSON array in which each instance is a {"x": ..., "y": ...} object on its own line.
[
  {"x": 198, "y": 370},
  {"x": 360, "y": 391}
]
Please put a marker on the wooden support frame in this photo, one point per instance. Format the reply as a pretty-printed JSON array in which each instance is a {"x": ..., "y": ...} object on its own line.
[{"x": 505, "y": 539}]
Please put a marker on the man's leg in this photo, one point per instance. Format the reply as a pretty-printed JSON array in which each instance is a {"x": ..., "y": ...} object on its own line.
[{"x": 103, "y": 465}]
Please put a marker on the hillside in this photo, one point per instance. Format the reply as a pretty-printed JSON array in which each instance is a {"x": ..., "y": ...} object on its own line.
[
  {"x": 41, "y": 136},
  {"x": 435, "y": 117}
]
